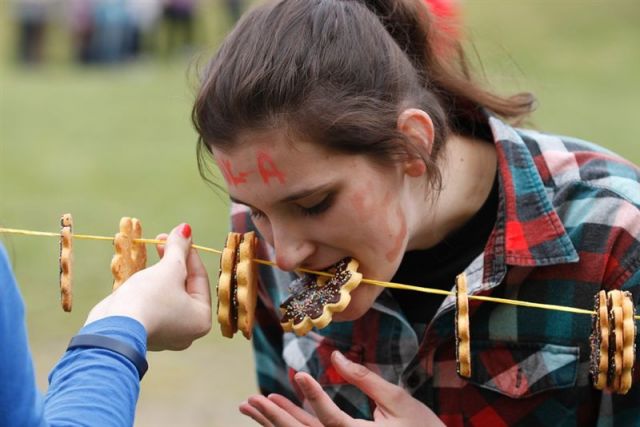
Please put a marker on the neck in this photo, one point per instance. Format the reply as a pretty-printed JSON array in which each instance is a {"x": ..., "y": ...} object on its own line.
[{"x": 468, "y": 168}]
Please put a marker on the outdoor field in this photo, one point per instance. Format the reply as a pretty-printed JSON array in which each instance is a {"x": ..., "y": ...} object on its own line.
[{"x": 104, "y": 142}]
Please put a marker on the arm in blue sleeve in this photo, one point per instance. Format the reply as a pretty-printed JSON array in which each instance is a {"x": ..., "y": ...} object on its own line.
[
  {"x": 93, "y": 386},
  {"x": 20, "y": 401},
  {"x": 88, "y": 386}
]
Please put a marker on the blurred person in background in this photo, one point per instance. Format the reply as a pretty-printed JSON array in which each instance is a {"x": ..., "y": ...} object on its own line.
[
  {"x": 97, "y": 381},
  {"x": 110, "y": 34},
  {"x": 112, "y": 31},
  {"x": 82, "y": 27},
  {"x": 32, "y": 17},
  {"x": 179, "y": 23},
  {"x": 144, "y": 17}
]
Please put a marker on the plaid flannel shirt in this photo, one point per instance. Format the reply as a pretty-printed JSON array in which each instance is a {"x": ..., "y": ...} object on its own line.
[{"x": 568, "y": 225}]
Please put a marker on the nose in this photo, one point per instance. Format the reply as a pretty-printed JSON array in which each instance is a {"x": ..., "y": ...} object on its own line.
[{"x": 292, "y": 248}]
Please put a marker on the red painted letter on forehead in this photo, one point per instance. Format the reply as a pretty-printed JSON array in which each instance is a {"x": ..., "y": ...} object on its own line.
[
  {"x": 227, "y": 171},
  {"x": 268, "y": 169}
]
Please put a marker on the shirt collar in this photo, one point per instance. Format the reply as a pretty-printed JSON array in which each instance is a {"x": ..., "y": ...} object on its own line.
[{"x": 533, "y": 233}]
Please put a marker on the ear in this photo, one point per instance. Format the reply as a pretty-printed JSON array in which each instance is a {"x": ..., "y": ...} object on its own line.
[{"x": 417, "y": 126}]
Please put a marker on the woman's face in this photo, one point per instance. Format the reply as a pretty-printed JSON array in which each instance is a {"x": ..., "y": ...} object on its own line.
[{"x": 316, "y": 207}]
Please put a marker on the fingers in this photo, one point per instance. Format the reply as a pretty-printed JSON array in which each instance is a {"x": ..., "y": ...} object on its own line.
[
  {"x": 297, "y": 412},
  {"x": 386, "y": 395},
  {"x": 266, "y": 412},
  {"x": 197, "y": 277},
  {"x": 251, "y": 412},
  {"x": 160, "y": 246},
  {"x": 327, "y": 412}
]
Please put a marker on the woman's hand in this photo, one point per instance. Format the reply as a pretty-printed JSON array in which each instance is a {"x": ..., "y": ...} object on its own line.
[
  {"x": 171, "y": 299},
  {"x": 394, "y": 405}
]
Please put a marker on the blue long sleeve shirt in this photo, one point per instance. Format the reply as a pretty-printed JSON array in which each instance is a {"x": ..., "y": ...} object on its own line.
[{"x": 88, "y": 386}]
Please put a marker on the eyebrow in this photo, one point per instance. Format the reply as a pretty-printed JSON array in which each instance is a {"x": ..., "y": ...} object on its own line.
[{"x": 292, "y": 197}]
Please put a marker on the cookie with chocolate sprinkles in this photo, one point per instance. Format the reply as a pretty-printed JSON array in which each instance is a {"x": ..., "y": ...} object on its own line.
[{"x": 314, "y": 299}]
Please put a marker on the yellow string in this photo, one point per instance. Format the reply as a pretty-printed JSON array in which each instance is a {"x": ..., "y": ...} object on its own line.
[
  {"x": 92, "y": 237},
  {"x": 324, "y": 273}
]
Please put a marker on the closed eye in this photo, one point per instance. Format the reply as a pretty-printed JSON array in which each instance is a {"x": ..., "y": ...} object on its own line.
[
  {"x": 318, "y": 208},
  {"x": 256, "y": 214}
]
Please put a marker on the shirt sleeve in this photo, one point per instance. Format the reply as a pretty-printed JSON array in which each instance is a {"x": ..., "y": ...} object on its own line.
[
  {"x": 93, "y": 386},
  {"x": 20, "y": 400}
]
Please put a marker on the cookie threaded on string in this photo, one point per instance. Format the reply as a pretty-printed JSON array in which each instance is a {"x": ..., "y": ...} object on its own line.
[
  {"x": 462, "y": 328},
  {"x": 599, "y": 340},
  {"x": 247, "y": 283},
  {"x": 314, "y": 299},
  {"x": 130, "y": 256},
  {"x": 613, "y": 341},
  {"x": 226, "y": 289},
  {"x": 66, "y": 262},
  {"x": 237, "y": 287},
  {"x": 628, "y": 343},
  {"x": 614, "y": 304}
]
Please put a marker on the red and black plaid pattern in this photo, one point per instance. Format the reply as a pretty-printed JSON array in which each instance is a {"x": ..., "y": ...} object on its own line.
[{"x": 568, "y": 225}]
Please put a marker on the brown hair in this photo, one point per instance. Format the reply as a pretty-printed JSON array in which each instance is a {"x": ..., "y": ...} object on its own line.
[{"x": 338, "y": 73}]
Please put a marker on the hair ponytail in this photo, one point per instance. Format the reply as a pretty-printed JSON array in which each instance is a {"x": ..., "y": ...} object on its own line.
[{"x": 445, "y": 70}]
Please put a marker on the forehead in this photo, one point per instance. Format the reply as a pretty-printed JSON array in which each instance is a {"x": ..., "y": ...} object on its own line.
[{"x": 272, "y": 161}]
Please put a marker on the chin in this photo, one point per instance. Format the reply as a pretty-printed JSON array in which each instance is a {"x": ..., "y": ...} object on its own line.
[
  {"x": 348, "y": 315},
  {"x": 362, "y": 298}
]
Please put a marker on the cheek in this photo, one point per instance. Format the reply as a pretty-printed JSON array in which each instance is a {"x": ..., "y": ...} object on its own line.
[
  {"x": 390, "y": 228},
  {"x": 358, "y": 205},
  {"x": 363, "y": 204},
  {"x": 376, "y": 223},
  {"x": 397, "y": 235}
]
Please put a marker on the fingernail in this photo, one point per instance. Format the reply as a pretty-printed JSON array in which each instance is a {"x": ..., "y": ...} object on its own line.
[{"x": 186, "y": 231}]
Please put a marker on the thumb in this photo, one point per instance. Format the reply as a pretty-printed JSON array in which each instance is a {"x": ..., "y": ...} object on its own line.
[
  {"x": 197, "y": 278},
  {"x": 178, "y": 243}
]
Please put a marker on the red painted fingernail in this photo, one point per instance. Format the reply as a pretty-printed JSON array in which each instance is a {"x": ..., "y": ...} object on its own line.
[{"x": 186, "y": 231}]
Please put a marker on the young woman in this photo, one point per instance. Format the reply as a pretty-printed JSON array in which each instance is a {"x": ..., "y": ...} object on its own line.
[
  {"x": 97, "y": 381},
  {"x": 341, "y": 133}
]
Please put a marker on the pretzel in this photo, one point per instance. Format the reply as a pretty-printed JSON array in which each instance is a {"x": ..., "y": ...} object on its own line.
[
  {"x": 314, "y": 299},
  {"x": 130, "y": 256},
  {"x": 66, "y": 262},
  {"x": 599, "y": 360},
  {"x": 628, "y": 340},
  {"x": 463, "y": 335}
]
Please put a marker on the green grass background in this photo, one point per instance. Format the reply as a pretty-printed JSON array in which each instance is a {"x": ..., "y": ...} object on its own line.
[{"x": 116, "y": 141}]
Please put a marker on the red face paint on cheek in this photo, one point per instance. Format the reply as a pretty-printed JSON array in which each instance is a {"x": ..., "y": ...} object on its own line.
[
  {"x": 398, "y": 241},
  {"x": 362, "y": 205},
  {"x": 268, "y": 169}
]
